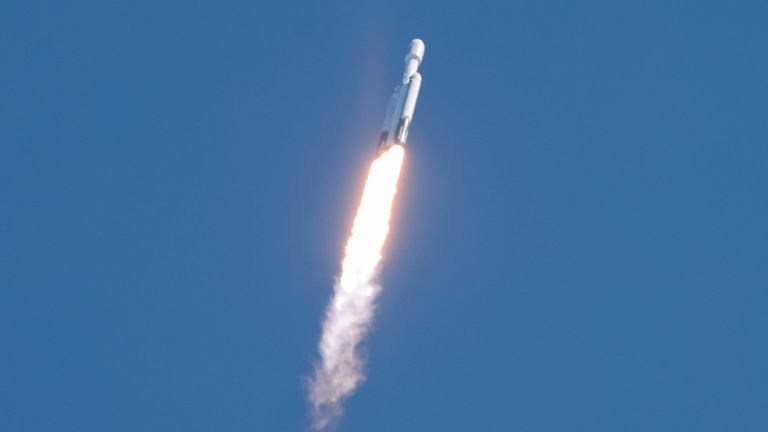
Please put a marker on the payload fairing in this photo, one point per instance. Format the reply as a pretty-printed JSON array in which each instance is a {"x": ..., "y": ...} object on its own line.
[{"x": 403, "y": 101}]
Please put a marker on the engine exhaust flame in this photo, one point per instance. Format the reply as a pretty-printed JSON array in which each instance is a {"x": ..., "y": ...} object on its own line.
[{"x": 340, "y": 368}]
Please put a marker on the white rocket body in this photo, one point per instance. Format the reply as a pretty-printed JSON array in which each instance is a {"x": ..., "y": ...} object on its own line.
[{"x": 402, "y": 103}]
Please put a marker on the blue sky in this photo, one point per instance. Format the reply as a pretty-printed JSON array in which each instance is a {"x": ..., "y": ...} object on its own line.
[{"x": 579, "y": 242}]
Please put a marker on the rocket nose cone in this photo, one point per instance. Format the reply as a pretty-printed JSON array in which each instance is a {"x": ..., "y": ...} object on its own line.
[{"x": 417, "y": 48}]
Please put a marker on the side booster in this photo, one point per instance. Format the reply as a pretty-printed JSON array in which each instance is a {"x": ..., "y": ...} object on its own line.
[{"x": 402, "y": 103}]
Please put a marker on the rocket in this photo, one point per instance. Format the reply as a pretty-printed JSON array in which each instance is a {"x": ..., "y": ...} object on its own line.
[{"x": 402, "y": 103}]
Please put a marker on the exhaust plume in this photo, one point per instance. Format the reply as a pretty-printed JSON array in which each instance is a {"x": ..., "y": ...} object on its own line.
[{"x": 348, "y": 318}]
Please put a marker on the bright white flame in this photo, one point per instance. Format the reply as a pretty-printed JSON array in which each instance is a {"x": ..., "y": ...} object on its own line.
[{"x": 348, "y": 317}]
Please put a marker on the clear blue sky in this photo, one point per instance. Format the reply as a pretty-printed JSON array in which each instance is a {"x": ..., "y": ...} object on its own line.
[{"x": 579, "y": 242}]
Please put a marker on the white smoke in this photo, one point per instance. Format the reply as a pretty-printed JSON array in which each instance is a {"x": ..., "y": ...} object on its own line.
[
  {"x": 340, "y": 370},
  {"x": 348, "y": 318}
]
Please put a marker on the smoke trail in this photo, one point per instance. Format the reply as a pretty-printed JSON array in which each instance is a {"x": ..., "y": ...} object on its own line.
[{"x": 349, "y": 314}]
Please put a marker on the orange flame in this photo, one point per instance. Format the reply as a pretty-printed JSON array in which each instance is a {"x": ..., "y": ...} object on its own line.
[{"x": 371, "y": 225}]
